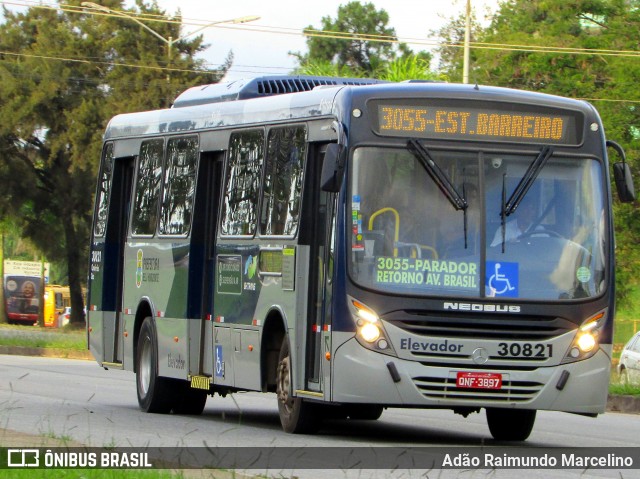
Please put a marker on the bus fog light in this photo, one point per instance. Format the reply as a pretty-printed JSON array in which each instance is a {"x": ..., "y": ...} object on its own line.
[
  {"x": 382, "y": 344},
  {"x": 574, "y": 353},
  {"x": 586, "y": 342},
  {"x": 370, "y": 332}
]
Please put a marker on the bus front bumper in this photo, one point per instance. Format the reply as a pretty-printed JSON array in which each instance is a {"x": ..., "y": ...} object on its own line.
[{"x": 363, "y": 376}]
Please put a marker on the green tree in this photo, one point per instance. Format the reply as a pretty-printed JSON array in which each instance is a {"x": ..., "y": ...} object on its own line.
[
  {"x": 451, "y": 52},
  {"x": 63, "y": 74},
  {"x": 358, "y": 41}
]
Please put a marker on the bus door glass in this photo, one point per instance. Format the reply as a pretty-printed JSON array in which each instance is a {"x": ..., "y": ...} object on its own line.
[
  {"x": 320, "y": 276},
  {"x": 113, "y": 256}
]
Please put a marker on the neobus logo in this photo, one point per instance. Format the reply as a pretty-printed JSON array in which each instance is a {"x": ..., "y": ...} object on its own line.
[{"x": 485, "y": 308}]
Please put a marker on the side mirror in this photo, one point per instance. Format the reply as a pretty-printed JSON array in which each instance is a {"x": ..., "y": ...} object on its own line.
[
  {"x": 622, "y": 175},
  {"x": 624, "y": 182},
  {"x": 333, "y": 168}
]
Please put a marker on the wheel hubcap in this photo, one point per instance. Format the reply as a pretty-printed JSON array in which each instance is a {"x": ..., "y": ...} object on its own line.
[
  {"x": 145, "y": 367},
  {"x": 284, "y": 384}
]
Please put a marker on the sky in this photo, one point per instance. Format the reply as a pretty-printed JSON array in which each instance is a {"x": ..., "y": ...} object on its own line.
[{"x": 281, "y": 22}]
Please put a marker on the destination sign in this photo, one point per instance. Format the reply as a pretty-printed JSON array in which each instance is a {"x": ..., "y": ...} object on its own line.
[{"x": 472, "y": 123}]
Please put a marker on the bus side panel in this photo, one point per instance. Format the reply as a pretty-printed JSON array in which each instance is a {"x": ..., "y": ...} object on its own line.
[
  {"x": 173, "y": 346},
  {"x": 236, "y": 295},
  {"x": 246, "y": 351},
  {"x": 95, "y": 315},
  {"x": 157, "y": 273},
  {"x": 207, "y": 360},
  {"x": 96, "y": 337},
  {"x": 128, "y": 347},
  {"x": 222, "y": 356}
]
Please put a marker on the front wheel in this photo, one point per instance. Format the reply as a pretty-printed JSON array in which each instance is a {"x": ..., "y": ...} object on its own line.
[
  {"x": 155, "y": 393},
  {"x": 297, "y": 416},
  {"x": 510, "y": 424}
]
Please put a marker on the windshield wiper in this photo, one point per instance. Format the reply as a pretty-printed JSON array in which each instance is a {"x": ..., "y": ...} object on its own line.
[
  {"x": 527, "y": 180},
  {"x": 509, "y": 206},
  {"x": 437, "y": 175}
]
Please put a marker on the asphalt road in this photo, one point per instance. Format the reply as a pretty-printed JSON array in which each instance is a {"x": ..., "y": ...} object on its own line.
[{"x": 79, "y": 401}]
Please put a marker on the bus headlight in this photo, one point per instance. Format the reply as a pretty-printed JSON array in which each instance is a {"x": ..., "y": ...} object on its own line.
[
  {"x": 587, "y": 340},
  {"x": 370, "y": 332}
]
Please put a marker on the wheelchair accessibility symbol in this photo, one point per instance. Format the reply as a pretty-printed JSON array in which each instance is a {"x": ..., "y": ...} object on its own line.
[
  {"x": 219, "y": 363},
  {"x": 502, "y": 279}
]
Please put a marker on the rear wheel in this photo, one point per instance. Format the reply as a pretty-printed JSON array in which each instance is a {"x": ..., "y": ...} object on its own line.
[
  {"x": 155, "y": 393},
  {"x": 190, "y": 401},
  {"x": 297, "y": 416},
  {"x": 510, "y": 424}
]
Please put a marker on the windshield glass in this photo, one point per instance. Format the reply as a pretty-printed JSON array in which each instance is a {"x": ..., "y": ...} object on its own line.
[{"x": 408, "y": 237}]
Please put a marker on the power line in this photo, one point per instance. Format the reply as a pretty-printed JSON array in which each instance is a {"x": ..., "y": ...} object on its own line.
[
  {"x": 337, "y": 35},
  {"x": 307, "y": 32}
]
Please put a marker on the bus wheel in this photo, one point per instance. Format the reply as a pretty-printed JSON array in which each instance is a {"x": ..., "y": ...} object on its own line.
[
  {"x": 154, "y": 393},
  {"x": 510, "y": 424},
  {"x": 296, "y": 415},
  {"x": 365, "y": 412},
  {"x": 191, "y": 401}
]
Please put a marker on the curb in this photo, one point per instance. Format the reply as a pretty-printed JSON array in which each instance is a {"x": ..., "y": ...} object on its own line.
[
  {"x": 46, "y": 352},
  {"x": 624, "y": 404}
]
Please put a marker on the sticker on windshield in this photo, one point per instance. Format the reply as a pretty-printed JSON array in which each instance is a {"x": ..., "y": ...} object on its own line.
[
  {"x": 502, "y": 279},
  {"x": 356, "y": 216},
  {"x": 583, "y": 274},
  {"x": 425, "y": 272}
]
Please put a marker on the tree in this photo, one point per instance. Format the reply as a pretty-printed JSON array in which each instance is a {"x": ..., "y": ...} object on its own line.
[
  {"x": 451, "y": 53},
  {"x": 358, "y": 41},
  {"x": 63, "y": 74}
]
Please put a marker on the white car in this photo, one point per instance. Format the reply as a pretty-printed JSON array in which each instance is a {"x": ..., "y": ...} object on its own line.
[
  {"x": 64, "y": 317},
  {"x": 629, "y": 365}
]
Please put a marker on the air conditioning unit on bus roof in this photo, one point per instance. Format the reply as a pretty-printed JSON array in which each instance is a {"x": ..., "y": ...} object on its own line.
[{"x": 260, "y": 87}]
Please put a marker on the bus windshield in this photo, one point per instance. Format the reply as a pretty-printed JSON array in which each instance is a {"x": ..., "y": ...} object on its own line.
[{"x": 408, "y": 237}]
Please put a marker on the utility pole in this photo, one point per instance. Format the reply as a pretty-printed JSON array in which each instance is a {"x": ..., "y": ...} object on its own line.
[{"x": 467, "y": 40}]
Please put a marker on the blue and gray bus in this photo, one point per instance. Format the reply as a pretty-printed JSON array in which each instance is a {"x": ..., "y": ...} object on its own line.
[{"x": 354, "y": 245}]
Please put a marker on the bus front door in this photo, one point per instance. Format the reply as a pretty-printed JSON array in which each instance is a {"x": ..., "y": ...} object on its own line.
[{"x": 320, "y": 290}]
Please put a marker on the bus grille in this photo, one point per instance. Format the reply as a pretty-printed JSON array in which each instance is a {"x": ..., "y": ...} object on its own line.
[
  {"x": 480, "y": 326},
  {"x": 445, "y": 388}
]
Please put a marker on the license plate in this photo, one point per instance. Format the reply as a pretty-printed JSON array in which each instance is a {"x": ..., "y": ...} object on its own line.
[{"x": 470, "y": 380}]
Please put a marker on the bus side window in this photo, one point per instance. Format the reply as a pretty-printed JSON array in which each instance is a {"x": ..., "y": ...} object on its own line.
[
  {"x": 104, "y": 187},
  {"x": 145, "y": 211},
  {"x": 179, "y": 186},
  {"x": 284, "y": 165},
  {"x": 242, "y": 183}
]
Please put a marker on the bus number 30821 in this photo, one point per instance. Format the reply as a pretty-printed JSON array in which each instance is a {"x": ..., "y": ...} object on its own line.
[{"x": 525, "y": 350}]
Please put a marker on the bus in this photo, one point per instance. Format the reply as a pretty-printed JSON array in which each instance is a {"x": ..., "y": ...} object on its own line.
[
  {"x": 56, "y": 299},
  {"x": 356, "y": 245}
]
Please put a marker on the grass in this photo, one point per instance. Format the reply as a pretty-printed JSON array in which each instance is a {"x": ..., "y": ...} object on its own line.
[{"x": 70, "y": 338}]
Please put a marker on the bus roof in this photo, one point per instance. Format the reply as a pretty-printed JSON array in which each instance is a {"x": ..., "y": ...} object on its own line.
[{"x": 272, "y": 99}]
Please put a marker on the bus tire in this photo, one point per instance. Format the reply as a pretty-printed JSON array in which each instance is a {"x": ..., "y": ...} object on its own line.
[
  {"x": 510, "y": 424},
  {"x": 297, "y": 416},
  {"x": 191, "y": 401},
  {"x": 155, "y": 393}
]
